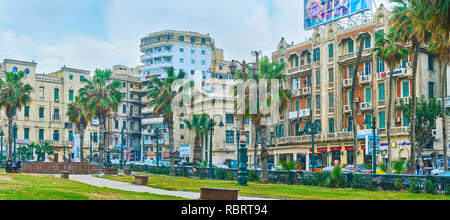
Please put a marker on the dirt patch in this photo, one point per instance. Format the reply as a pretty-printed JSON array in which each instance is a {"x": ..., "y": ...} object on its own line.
[{"x": 7, "y": 179}]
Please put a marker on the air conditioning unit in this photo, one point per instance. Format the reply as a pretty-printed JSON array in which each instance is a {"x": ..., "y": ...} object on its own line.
[
  {"x": 410, "y": 65},
  {"x": 398, "y": 120},
  {"x": 360, "y": 74},
  {"x": 357, "y": 100}
]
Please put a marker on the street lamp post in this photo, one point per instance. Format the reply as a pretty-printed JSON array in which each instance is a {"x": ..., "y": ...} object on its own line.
[
  {"x": 243, "y": 157},
  {"x": 121, "y": 149},
  {"x": 313, "y": 128},
  {"x": 90, "y": 147},
  {"x": 1, "y": 151},
  {"x": 14, "y": 136},
  {"x": 374, "y": 152},
  {"x": 211, "y": 129},
  {"x": 237, "y": 144},
  {"x": 157, "y": 145}
]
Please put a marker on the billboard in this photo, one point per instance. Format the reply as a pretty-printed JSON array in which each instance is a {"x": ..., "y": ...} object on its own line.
[{"x": 319, "y": 12}]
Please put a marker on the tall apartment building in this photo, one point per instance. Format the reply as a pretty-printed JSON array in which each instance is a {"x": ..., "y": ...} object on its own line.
[
  {"x": 188, "y": 51},
  {"x": 320, "y": 76},
  {"x": 128, "y": 116},
  {"x": 44, "y": 119}
]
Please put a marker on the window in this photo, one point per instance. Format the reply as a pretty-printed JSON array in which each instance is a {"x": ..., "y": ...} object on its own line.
[
  {"x": 41, "y": 113},
  {"x": 192, "y": 51},
  {"x": 27, "y": 111},
  {"x": 116, "y": 124},
  {"x": 14, "y": 69},
  {"x": 368, "y": 119},
  {"x": 308, "y": 58},
  {"x": 124, "y": 125},
  {"x": 56, "y": 114},
  {"x": 247, "y": 137},
  {"x": 192, "y": 72},
  {"x": 181, "y": 50},
  {"x": 368, "y": 94},
  {"x": 350, "y": 72},
  {"x": 331, "y": 75},
  {"x": 26, "y": 133},
  {"x": 41, "y": 134},
  {"x": 382, "y": 116},
  {"x": 331, "y": 125},
  {"x": 71, "y": 77},
  {"x": 203, "y": 41},
  {"x": 41, "y": 92},
  {"x": 318, "y": 78},
  {"x": 430, "y": 62},
  {"x": 192, "y": 39},
  {"x": 431, "y": 90},
  {"x": 203, "y": 52},
  {"x": 381, "y": 92},
  {"x": 368, "y": 68},
  {"x": 124, "y": 108},
  {"x": 246, "y": 121},
  {"x": 230, "y": 119},
  {"x": 203, "y": 62},
  {"x": 406, "y": 88},
  {"x": 56, "y": 135},
  {"x": 15, "y": 111},
  {"x": 297, "y": 105},
  {"x": 70, "y": 135},
  {"x": 309, "y": 103},
  {"x": 56, "y": 95},
  {"x": 318, "y": 102},
  {"x": 330, "y": 51},
  {"x": 192, "y": 61},
  {"x": 95, "y": 137},
  {"x": 82, "y": 78},
  {"x": 131, "y": 109},
  {"x": 349, "y": 124},
  {"x": 230, "y": 137},
  {"x": 70, "y": 95},
  {"x": 181, "y": 126},
  {"x": 331, "y": 100},
  {"x": 405, "y": 121},
  {"x": 181, "y": 38},
  {"x": 316, "y": 55},
  {"x": 367, "y": 43},
  {"x": 350, "y": 46},
  {"x": 380, "y": 66}
]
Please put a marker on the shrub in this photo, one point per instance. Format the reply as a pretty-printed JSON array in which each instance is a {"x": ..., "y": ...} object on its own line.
[
  {"x": 231, "y": 176},
  {"x": 220, "y": 174},
  {"x": 430, "y": 187},
  {"x": 253, "y": 176},
  {"x": 447, "y": 191},
  {"x": 416, "y": 186},
  {"x": 363, "y": 182},
  {"x": 321, "y": 179}
]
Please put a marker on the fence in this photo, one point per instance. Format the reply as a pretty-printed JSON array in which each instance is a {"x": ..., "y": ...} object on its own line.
[{"x": 416, "y": 184}]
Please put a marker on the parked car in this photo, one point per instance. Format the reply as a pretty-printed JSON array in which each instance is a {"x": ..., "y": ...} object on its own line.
[
  {"x": 360, "y": 169},
  {"x": 185, "y": 164},
  {"x": 438, "y": 172},
  {"x": 328, "y": 169},
  {"x": 380, "y": 171},
  {"x": 222, "y": 166}
]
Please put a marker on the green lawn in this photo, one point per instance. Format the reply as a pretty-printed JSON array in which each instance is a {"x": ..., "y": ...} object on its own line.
[
  {"x": 42, "y": 187},
  {"x": 277, "y": 191}
]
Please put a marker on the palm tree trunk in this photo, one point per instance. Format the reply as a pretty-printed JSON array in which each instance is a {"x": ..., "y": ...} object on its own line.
[
  {"x": 255, "y": 153},
  {"x": 82, "y": 129},
  {"x": 443, "y": 70},
  {"x": 10, "y": 135},
  {"x": 101, "y": 144},
  {"x": 197, "y": 149},
  {"x": 264, "y": 155},
  {"x": 389, "y": 118},
  {"x": 353, "y": 107},
  {"x": 413, "y": 105},
  {"x": 171, "y": 146}
]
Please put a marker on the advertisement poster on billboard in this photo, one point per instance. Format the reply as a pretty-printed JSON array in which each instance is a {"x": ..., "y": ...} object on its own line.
[
  {"x": 319, "y": 12},
  {"x": 185, "y": 150}
]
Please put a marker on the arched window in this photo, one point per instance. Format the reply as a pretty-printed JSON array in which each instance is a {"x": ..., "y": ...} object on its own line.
[{"x": 14, "y": 69}]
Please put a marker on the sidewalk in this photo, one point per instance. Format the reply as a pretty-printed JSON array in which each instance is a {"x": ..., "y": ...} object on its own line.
[{"x": 100, "y": 182}]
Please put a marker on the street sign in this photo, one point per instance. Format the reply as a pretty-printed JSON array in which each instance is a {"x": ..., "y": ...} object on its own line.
[
  {"x": 369, "y": 145},
  {"x": 22, "y": 141},
  {"x": 185, "y": 151}
]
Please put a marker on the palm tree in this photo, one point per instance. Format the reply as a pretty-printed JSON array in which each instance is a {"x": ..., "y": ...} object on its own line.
[
  {"x": 268, "y": 71},
  {"x": 80, "y": 116},
  {"x": 197, "y": 123},
  {"x": 389, "y": 50},
  {"x": 161, "y": 96},
  {"x": 353, "y": 103},
  {"x": 410, "y": 26},
  {"x": 14, "y": 94},
  {"x": 101, "y": 96}
]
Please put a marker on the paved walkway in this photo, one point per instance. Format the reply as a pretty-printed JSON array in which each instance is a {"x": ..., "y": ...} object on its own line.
[{"x": 100, "y": 182}]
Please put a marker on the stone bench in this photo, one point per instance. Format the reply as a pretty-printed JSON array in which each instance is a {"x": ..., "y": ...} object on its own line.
[
  {"x": 218, "y": 194},
  {"x": 111, "y": 171},
  {"x": 141, "y": 180},
  {"x": 64, "y": 174},
  {"x": 127, "y": 172}
]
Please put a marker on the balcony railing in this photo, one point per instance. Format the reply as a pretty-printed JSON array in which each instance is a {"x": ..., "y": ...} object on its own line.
[
  {"x": 366, "y": 106},
  {"x": 347, "y": 56},
  {"x": 366, "y": 79},
  {"x": 347, "y": 83},
  {"x": 306, "y": 91}
]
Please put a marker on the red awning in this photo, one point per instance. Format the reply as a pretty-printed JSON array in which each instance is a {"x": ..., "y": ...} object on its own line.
[
  {"x": 336, "y": 148},
  {"x": 320, "y": 150}
]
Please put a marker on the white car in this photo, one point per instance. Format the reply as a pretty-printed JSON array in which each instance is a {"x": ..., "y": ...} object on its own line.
[
  {"x": 222, "y": 166},
  {"x": 328, "y": 169}
]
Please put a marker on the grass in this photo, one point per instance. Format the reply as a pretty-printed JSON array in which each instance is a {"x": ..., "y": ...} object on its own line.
[
  {"x": 44, "y": 187},
  {"x": 277, "y": 191}
]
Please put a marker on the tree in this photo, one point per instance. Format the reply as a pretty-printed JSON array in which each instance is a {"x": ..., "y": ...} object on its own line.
[
  {"x": 161, "y": 95},
  {"x": 426, "y": 113},
  {"x": 197, "y": 124},
  {"x": 353, "y": 103},
  {"x": 41, "y": 150},
  {"x": 14, "y": 95},
  {"x": 101, "y": 95},
  {"x": 269, "y": 71},
  {"x": 388, "y": 49},
  {"x": 80, "y": 116},
  {"x": 410, "y": 26}
]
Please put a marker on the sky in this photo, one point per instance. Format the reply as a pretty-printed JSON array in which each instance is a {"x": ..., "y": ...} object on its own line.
[{"x": 90, "y": 34}]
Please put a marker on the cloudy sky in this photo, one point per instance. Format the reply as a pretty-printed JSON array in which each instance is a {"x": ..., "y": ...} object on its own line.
[{"x": 89, "y": 34}]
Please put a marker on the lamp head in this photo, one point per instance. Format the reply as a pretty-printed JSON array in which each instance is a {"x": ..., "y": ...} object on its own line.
[
  {"x": 221, "y": 124},
  {"x": 233, "y": 67},
  {"x": 255, "y": 71}
]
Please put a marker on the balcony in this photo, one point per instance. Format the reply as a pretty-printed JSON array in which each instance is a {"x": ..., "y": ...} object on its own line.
[
  {"x": 366, "y": 106},
  {"x": 297, "y": 92},
  {"x": 347, "y": 83},
  {"x": 347, "y": 109},
  {"x": 299, "y": 70},
  {"x": 403, "y": 72},
  {"x": 403, "y": 100},
  {"x": 300, "y": 114},
  {"x": 347, "y": 56},
  {"x": 306, "y": 91},
  {"x": 366, "y": 79}
]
